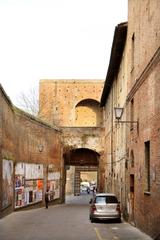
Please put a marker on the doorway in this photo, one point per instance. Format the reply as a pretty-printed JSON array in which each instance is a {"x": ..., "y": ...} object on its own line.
[{"x": 132, "y": 197}]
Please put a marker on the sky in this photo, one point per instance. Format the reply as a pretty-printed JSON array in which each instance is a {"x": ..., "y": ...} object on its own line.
[{"x": 55, "y": 39}]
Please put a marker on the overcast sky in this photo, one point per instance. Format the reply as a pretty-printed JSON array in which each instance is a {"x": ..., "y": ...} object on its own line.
[{"x": 55, "y": 39}]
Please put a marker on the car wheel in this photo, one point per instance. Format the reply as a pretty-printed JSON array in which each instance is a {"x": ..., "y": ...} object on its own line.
[{"x": 92, "y": 219}]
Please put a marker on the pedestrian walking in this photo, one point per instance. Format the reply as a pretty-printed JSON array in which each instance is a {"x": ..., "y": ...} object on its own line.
[
  {"x": 47, "y": 198},
  {"x": 94, "y": 191}
]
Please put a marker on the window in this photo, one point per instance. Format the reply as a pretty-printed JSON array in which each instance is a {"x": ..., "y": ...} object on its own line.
[
  {"x": 100, "y": 199},
  {"x": 132, "y": 113},
  {"x": 132, "y": 53},
  {"x": 106, "y": 199},
  {"x": 132, "y": 158},
  {"x": 111, "y": 199},
  {"x": 132, "y": 183},
  {"x": 147, "y": 166}
]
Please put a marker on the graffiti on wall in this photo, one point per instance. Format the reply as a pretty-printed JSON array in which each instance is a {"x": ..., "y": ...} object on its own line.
[{"x": 7, "y": 183}]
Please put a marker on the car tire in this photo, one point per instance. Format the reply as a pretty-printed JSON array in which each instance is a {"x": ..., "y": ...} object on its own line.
[{"x": 92, "y": 219}]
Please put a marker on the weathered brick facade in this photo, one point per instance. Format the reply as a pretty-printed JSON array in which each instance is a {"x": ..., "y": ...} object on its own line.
[
  {"x": 74, "y": 105},
  {"x": 114, "y": 95},
  {"x": 61, "y": 101},
  {"x": 26, "y": 140},
  {"x": 143, "y": 95},
  {"x": 140, "y": 101}
]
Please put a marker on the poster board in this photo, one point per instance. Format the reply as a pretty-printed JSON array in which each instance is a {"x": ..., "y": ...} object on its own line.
[
  {"x": 28, "y": 184},
  {"x": 7, "y": 183}
]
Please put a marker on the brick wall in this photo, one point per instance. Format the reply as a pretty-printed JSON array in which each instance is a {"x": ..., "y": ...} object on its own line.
[
  {"x": 147, "y": 111},
  {"x": 25, "y": 139},
  {"x": 59, "y": 101},
  {"x": 143, "y": 85}
]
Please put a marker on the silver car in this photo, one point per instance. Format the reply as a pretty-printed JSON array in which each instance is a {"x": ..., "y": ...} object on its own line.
[{"x": 104, "y": 206}]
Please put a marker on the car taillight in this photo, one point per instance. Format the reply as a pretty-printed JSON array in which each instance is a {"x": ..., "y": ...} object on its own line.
[
  {"x": 118, "y": 209},
  {"x": 93, "y": 208}
]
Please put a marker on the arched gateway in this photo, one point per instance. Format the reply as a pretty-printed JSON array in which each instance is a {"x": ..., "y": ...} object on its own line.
[
  {"x": 74, "y": 107},
  {"x": 83, "y": 160}
]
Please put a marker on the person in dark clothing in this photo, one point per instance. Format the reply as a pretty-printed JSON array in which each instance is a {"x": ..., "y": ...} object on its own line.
[
  {"x": 94, "y": 190},
  {"x": 47, "y": 198},
  {"x": 88, "y": 190}
]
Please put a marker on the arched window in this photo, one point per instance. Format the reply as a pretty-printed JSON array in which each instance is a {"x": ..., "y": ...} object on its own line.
[{"x": 88, "y": 113}]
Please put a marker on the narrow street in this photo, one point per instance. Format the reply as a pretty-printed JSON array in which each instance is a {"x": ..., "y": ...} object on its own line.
[{"x": 69, "y": 221}]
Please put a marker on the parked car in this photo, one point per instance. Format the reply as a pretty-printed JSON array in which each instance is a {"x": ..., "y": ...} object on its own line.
[
  {"x": 83, "y": 188},
  {"x": 104, "y": 206}
]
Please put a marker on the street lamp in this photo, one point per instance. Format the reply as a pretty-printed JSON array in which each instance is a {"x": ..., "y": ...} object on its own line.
[{"x": 118, "y": 114}]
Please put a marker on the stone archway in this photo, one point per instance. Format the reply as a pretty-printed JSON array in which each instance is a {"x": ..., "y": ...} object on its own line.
[{"x": 82, "y": 159}]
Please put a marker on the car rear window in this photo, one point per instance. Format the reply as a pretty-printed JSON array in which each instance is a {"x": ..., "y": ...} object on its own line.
[
  {"x": 100, "y": 199},
  {"x": 106, "y": 199}
]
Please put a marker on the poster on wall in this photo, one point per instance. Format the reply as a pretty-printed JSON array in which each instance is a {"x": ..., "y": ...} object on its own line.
[
  {"x": 7, "y": 183},
  {"x": 53, "y": 185},
  {"x": 19, "y": 185},
  {"x": 34, "y": 171},
  {"x": 28, "y": 184}
]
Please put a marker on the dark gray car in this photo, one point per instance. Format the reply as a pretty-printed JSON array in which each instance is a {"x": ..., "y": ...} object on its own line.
[{"x": 104, "y": 206}]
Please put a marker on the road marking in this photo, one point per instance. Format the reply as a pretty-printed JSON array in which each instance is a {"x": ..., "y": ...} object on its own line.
[
  {"x": 114, "y": 228},
  {"x": 100, "y": 238},
  {"x": 98, "y": 235}
]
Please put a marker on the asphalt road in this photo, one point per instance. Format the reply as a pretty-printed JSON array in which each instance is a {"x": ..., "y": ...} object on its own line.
[{"x": 69, "y": 221}]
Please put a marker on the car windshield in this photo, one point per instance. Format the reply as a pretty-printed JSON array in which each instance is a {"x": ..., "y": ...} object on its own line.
[{"x": 106, "y": 199}]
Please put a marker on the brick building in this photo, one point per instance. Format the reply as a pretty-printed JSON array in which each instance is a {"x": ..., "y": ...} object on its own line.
[
  {"x": 74, "y": 106},
  {"x": 133, "y": 83},
  {"x": 114, "y": 95},
  {"x": 71, "y": 103}
]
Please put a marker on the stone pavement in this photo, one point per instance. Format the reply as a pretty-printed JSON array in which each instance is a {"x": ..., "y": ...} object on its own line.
[{"x": 68, "y": 221}]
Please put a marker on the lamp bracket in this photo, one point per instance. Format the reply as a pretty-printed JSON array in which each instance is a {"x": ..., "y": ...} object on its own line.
[
  {"x": 126, "y": 122},
  {"x": 133, "y": 122}
]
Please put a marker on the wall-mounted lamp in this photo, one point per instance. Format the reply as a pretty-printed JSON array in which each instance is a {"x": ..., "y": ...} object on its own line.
[{"x": 118, "y": 114}]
